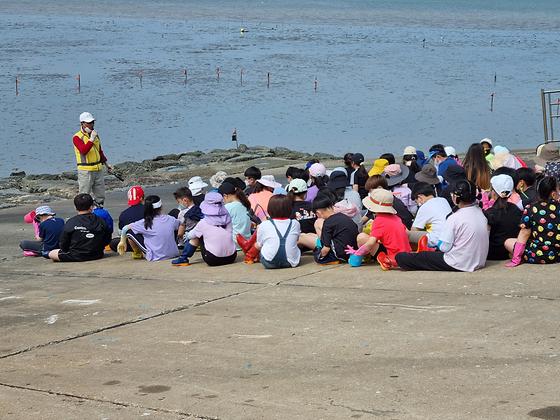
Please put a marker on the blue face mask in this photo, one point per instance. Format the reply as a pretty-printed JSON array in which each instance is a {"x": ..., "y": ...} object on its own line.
[{"x": 181, "y": 206}]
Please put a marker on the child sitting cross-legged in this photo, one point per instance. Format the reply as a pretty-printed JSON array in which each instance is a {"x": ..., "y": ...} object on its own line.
[
  {"x": 157, "y": 241},
  {"x": 277, "y": 237},
  {"x": 388, "y": 234},
  {"x": 335, "y": 232},
  {"x": 50, "y": 228},
  {"x": 189, "y": 213},
  {"x": 214, "y": 234},
  {"x": 430, "y": 218},
  {"x": 463, "y": 242}
]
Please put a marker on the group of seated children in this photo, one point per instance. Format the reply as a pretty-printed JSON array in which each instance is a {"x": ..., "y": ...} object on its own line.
[{"x": 446, "y": 211}]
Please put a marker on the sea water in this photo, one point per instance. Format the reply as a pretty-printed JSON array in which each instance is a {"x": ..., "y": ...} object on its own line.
[{"x": 318, "y": 75}]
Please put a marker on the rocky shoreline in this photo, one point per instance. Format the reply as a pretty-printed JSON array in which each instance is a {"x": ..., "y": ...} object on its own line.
[{"x": 20, "y": 188}]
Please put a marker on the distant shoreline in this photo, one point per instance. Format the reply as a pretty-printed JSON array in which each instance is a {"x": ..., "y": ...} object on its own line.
[{"x": 21, "y": 188}]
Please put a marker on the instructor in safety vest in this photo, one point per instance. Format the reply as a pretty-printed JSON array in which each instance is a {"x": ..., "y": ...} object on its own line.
[{"x": 90, "y": 159}]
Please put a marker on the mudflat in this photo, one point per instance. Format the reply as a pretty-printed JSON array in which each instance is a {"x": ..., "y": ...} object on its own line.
[{"x": 124, "y": 339}]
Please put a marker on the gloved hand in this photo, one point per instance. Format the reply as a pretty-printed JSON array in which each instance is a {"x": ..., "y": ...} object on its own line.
[
  {"x": 92, "y": 135},
  {"x": 363, "y": 250},
  {"x": 121, "y": 247}
]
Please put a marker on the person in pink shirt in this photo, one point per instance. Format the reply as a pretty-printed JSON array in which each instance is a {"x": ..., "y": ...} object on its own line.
[
  {"x": 260, "y": 196},
  {"x": 214, "y": 234}
]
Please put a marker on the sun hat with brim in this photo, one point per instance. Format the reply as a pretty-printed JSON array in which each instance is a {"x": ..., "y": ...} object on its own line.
[
  {"x": 269, "y": 181},
  {"x": 214, "y": 210},
  {"x": 217, "y": 179},
  {"x": 297, "y": 186},
  {"x": 502, "y": 184},
  {"x": 395, "y": 173},
  {"x": 196, "y": 184},
  {"x": 317, "y": 169},
  {"x": 379, "y": 200},
  {"x": 44, "y": 211},
  {"x": 378, "y": 167},
  {"x": 427, "y": 174},
  {"x": 547, "y": 152},
  {"x": 86, "y": 117},
  {"x": 409, "y": 150}
]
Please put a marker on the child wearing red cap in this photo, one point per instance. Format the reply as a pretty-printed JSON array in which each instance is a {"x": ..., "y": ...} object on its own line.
[{"x": 133, "y": 213}]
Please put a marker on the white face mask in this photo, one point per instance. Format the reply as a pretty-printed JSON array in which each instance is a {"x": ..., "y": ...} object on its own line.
[{"x": 87, "y": 130}]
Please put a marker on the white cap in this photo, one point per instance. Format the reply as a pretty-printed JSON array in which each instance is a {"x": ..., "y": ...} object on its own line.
[
  {"x": 450, "y": 151},
  {"x": 486, "y": 140},
  {"x": 502, "y": 184},
  {"x": 409, "y": 150},
  {"x": 86, "y": 117}
]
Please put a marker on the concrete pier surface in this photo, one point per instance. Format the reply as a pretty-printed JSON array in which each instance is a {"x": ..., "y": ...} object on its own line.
[{"x": 124, "y": 339}]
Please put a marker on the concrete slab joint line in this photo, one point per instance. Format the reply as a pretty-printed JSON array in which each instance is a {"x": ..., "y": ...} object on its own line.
[
  {"x": 101, "y": 400},
  {"x": 125, "y": 323}
]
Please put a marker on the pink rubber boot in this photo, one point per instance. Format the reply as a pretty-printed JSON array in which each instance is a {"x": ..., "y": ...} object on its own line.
[{"x": 517, "y": 258}]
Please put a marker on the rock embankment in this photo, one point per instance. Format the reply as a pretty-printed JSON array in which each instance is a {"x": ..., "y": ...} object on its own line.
[{"x": 20, "y": 188}]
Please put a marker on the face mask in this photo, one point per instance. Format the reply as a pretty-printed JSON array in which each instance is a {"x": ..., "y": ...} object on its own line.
[
  {"x": 181, "y": 206},
  {"x": 87, "y": 130}
]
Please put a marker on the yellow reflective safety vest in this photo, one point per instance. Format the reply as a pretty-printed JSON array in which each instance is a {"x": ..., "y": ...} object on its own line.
[{"x": 92, "y": 160}]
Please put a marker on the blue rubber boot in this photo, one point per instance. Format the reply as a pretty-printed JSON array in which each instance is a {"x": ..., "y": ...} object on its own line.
[{"x": 183, "y": 260}]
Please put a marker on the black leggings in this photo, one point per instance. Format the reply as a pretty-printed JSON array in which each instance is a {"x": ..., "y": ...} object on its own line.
[
  {"x": 214, "y": 261},
  {"x": 423, "y": 261}
]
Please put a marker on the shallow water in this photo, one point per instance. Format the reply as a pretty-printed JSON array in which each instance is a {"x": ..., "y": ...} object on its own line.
[{"x": 378, "y": 88}]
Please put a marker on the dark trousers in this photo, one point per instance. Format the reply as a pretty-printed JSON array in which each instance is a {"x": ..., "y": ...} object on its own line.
[
  {"x": 34, "y": 246},
  {"x": 423, "y": 261}
]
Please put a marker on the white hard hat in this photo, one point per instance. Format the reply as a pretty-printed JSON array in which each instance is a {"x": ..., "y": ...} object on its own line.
[{"x": 86, "y": 117}]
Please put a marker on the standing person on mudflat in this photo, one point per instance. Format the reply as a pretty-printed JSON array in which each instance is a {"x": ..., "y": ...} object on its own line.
[{"x": 90, "y": 159}]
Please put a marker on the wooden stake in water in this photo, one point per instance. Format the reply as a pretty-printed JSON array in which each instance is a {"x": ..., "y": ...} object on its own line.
[
  {"x": 315, "y": 83},
  {"x": 495, "y": 78},
  {"x": 492, "y": 101},
  {"x": 241, "y": 77},
  {"x": 268, "y": 79},
  {"x": 218, "y": 73},
  {"x": 79, "y": 83},
  {"x": 185, "y": 73},
  {"x": 17, "y": 85},
  {"x": 140, "y": 76}
]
